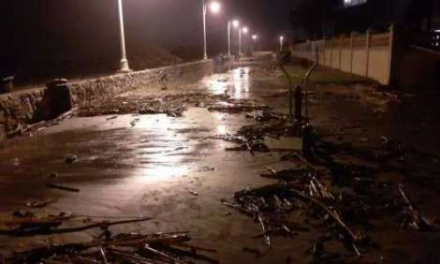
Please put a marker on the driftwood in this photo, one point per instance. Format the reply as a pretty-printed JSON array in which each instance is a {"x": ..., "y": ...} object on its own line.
[
  {"x": 416, "y": 220},
  {"x": 163, "y": 255},
  {"x": 45, "y": 227},
  {"x": 63, "y": 188},
  {"x": 335, "y": 216},
  {"x": 103, "y": 255},
  {"x": 131, "y": 258},
  {"x": 265, "y": 235},
  {"x": 32, "y": 220}
]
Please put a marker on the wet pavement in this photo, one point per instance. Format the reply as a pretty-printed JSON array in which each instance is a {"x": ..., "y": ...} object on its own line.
[
  {"x": 142, "y": 165},
  {"x": 147, "y": 165}
]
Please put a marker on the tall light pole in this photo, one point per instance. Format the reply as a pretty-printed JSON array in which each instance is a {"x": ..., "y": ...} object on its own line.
[
  {"x": 234, "y": 23},
  {"x": 215, "y": 8},
  {"x": 124, "y": 61},
  {"x": 281, "y": 42},
  {"x": 242, "y": 31}
]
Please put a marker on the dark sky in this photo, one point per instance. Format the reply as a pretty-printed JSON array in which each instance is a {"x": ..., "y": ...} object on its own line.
[
  {"x": 89, "y": 28},
  {"x": 165, "y": 21}
]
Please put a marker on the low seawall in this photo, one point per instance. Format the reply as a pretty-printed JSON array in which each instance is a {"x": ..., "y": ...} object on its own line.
[{"x": 21, "y": 108}]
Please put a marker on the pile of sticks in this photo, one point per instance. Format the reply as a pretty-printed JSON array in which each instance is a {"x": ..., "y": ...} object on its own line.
[{"x": 122, "y": 248}]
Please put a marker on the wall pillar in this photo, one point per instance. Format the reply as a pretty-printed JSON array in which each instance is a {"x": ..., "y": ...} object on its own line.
[
  {"x": 331, "y": 53},
  {"x": 391, "y": 53},
  {"x": 368, "y": 44},
  {"x": 351, "y": 51},
  {"x": 340, "y": 51}
]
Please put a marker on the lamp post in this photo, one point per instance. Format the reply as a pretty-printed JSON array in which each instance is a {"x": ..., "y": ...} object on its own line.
[
  {"x": 242, "y": 31},
  {"x": 281, "y": 42},
  {"x": 234, "y": 23},
  {"x": 215, "y": 8},
  {"x": 254, "y": 40},
  {"x": 124, "y": 62}
]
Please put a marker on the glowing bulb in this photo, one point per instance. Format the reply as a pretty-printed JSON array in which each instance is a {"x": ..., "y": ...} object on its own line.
[
  {"x": 215, "y": 7},
  {"x": 235, "y": 23},
  {"x": 245, "y": 30},
  {"x": 254, "y": 37},
  {"x": 281, "y": 38}
]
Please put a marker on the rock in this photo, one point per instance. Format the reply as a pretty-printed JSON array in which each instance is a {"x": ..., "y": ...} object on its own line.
[
  {"x": 70, "y": 159},
  {"x": 53, "y": 175},
  {"x": 58, "y": 97},
  {"x": 7, "y": 84}
]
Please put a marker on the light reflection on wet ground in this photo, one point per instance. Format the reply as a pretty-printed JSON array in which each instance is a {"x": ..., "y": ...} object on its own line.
[
  {"x": 148, "y": 169},
  {"x": 129, "y": 151},
  {"x": 236, "y": 83},
  {"x": 145, "y": 169}
]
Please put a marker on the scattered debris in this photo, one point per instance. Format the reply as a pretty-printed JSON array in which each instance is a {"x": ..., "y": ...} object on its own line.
[
  {"x": 26, "y": 223},
  {"x": 193, "y": 192},
  {"x": 134, "y": 121},
  {"x": 207, "y": 168},
  {"x": 60, "y": 187},
  {"x": 172, "y": 105},
  {"x": 70, "y": 159},
  {"x": 112, "y": 117},
  {"x": 271, "y": 206},
  {"x": 264, "y": 116},
  {"x": 398, "y": 151},
  {"x": 289, "y": 174},
  {"x": 412, "y": 217},
  {"x": 121, "y": 248},
  {"x": 330, "y": 213},
  {"x": 40, "y": 204},
  {"x": 236, "y": 106},
  {"x": 252, "y": 138},
  {"x": 53, "y": 175},
  {"x": 30, "y": 129}
]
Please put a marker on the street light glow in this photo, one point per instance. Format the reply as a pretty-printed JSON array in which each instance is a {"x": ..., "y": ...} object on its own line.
[
  {"x": 215, "y": 7},
  {"x": 235, "y": 23},
  {"x": 254, "y": 37},
  {"x": 281, "y": 38},
  {"x": 245, "y": 30}
]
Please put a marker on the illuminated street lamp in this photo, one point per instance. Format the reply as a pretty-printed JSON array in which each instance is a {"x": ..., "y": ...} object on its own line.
[
  {"x": 243, "y": 30},
  {"x": 254, "y": 39},
  {"x": 215, "y": 8},
  {"x": 124, "y": 61},
  {"x": 235, "y": 24},
  {"x": 281, "y": 42}
]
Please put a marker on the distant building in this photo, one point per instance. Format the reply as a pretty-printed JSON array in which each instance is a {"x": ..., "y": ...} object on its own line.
[
  {"x": 350, "y": 3},
  {"x": 359, "y": 15},
  {"x": 314, "y": 19}
]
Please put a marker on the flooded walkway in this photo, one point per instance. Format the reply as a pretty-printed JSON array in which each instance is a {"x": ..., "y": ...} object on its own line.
[
  {"x": 176, "y": 170},
  {"x": 144, "y": 165}
]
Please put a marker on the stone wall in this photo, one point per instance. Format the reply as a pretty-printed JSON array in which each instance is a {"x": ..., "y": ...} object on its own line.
[
  {"x": 22, "y": 108},
  {"x": 18, "y": 109},
  {"x": 90, "y": 90}
]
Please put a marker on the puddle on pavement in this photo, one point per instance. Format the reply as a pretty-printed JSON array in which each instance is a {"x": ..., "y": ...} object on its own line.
[{"x": 155, "y": 146}]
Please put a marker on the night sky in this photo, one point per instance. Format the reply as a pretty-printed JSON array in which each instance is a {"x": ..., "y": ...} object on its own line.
[{"x": 64, "y": 29}]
